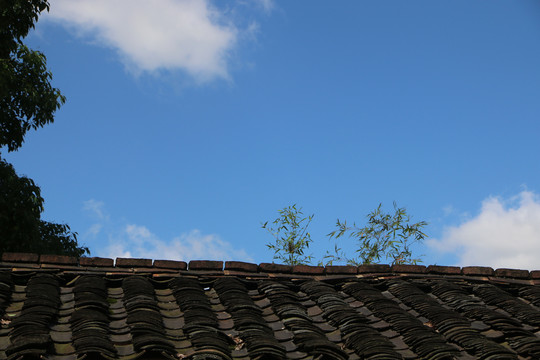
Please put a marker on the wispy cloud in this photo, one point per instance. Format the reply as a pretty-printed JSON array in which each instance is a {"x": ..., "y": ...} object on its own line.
[
  {"x": 96, "y": 208},
  {"x": 448, "y": 209},
  {"x": 506, "y": 233},
  {"x": 267, "y": 5},
  {"x": 131, "y": 240},
  {"x": 149, "y": 36},
  {"x": 93, "y": 230},
  {"x": 138, "y": 241}
]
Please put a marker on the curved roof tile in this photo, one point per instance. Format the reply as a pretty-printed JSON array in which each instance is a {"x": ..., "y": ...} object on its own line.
[{"x": 65, "y": 308}]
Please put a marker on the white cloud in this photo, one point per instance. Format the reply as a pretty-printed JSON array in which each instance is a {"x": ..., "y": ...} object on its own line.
[
  {"x": 139, "y": 242},
  {"x": 93, "y": 230},
  {"x": 267, "y": 5},
  {"x": 150, "y": 36},
  {"x": 447, "y": 210},
  {"x": 506, "y": 233},
  {"x": 96, "y": 208}
]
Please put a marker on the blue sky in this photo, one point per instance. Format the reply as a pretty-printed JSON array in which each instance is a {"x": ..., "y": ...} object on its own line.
[{"x": 188, "y": 123}]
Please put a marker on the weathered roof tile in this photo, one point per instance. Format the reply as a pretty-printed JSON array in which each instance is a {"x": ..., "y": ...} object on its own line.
[
  {"x": 20, "y": 257},
  {"x": 341, "y": 269},
  {"x": 205, "y": 265},
  {"x": 170, "y": 264},
  {"x": 129, "y": 262},
  {"x": 416, "y": 269},
  {"x": 241, "y": 266},
  {"x": 374, "y": 268},
  {"x": 308, "y": 270},
  {"x": 58, "y": 259},
  {"x": 275, "y": 268},
  {"x": 96, "y": 261},
  {"x": 477, "y": 270},
  {"x": 438, "y": 269},
  {"x": 91, "y": 308},
  {"x": 512, "y": 273}
]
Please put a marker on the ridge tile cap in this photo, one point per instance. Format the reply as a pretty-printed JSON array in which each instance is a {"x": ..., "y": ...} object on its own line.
[
  {"x": 275, "y": 268},
  {"x": 409, "y": 268},
  {"x": 170, "y": 264},
  {"x": 477, "y": 270},
  {"x": 133, "y": 262},
  {"x": 241, "y": 266},
  {"x": 205, "y": 265},
  {"x": 373, "y": 268},
  {"x": 439, "y": 269},
  {"x": 96, "y": 261},
  {"x": 146, "y": 265},
  {"x": 57, "y": 259},
  {"x": 535, "y": 274},
  {"x": 308, "y": 269},
  {"x": 341, "y": 269},
  {"x": 512, "y": 273},
  {"x": 20, "y": 257}
]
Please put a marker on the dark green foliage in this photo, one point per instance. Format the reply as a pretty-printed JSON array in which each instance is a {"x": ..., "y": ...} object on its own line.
[
  {"x": 17, "y": 17},
  {"x": 21, "y": 228},
  {"x": 291, "y": 236},
  {"x": 27, "y": 101},
  {"x": 385, "y": 237}
]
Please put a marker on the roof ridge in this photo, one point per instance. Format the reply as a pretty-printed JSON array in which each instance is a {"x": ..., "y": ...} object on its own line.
[{"x": 120, "y": 264}]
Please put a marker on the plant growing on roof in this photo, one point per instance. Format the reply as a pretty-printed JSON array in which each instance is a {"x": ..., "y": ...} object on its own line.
[
  {"x": 386, "y": 237},
  {"x": 291, "y": 236}
]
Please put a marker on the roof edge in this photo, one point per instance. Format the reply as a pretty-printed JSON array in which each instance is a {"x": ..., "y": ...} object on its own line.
[{"x": 30, "y": 261}]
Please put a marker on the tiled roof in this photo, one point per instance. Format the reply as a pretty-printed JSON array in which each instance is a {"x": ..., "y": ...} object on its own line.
[{"x": 63, "y": 308}]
